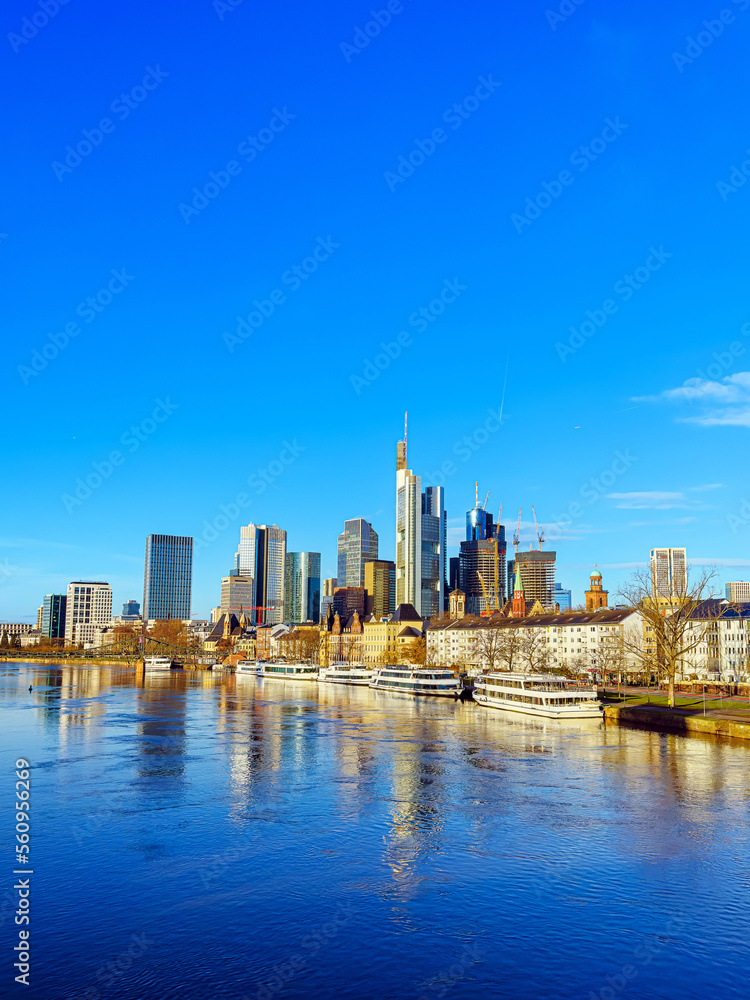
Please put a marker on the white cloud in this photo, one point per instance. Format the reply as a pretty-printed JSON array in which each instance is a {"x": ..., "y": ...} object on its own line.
[
  {"x": 650, "y": 500},
  {"x": 723, "y": 404}
]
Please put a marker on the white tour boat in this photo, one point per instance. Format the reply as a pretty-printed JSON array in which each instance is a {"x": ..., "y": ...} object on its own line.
[
  {"x": 248, "y": 667},
  {"x": 546, "y": 695},
  {"x": 341, "y": 673},
  {"x": 157, "y": 663},
  {"x": 417, "y": 681},
  {"x": 289, "y": 671}
]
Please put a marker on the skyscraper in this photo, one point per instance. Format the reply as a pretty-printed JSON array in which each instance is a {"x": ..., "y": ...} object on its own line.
[
  {"x": 380, "y": 584},
  {"x": 668, "y": 573},
  {"x": 88, "y": 606},
  {"x": 302, "y": 587},
  {"x": 328, "y": 587},
  {"x": 482, "y": 560},
  {"x": 738, "y": 592},
  {"x": 237, "y": 595},
  {"x": 421, "y": 528},
  {"x": 261, "y": 556},
  {"x": 537, "y": 575},
  {"x": 167, "y": 577},
  {"x": 53, "y": 615},
  {"x": 358, "y": 543},
  {"x": 131, "y": 607}
]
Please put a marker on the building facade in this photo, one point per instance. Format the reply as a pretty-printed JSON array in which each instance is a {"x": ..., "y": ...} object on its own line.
[
  {"x": 563, "y": 598},
  {"x": 434, "y": 531},
  {"x": 380, "y": 588},
  {"x": 131, "y": 608},
  {"x": 53, "y": 615},
  {"x": 88, "y": 607},
  {"x": 738, "y": 591},
  {"x": 357, "y": 544},
  {"x": 237, "y": 594},
  {"x": 388, "y": 640},
  {"x": 302, "y": 587},
  {"x": 167, "y": 577},
  {"x": 538, "y": 575},
  {"x": 668, "y": 573},
  {"x": 261, "y": 556}
]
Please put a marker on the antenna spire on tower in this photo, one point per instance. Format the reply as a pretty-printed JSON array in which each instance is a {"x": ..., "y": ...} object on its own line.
[{"x": 406, "y": 415}]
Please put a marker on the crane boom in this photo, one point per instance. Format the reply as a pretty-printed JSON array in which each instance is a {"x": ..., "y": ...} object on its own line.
[
  {"x": 539, "y": 534},
  {"x": 517, "y": 535}
]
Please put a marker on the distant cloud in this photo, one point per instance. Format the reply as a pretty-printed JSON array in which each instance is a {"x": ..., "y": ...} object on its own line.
[
  {"x": 724, "y": 404},
  {"x": 663, "y": 499}
]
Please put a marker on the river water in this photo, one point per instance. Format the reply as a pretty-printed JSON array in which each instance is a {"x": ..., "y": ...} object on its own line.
[{"x": 205, "y": 836}]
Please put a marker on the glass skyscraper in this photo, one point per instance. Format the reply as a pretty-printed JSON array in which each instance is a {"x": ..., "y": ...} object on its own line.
[
  {"x": 53, "y": 615},
  {"x": 261, "y": 557},
  {"x": 358, "y": 544},
  {"x": 168, "y": 577},
  {"x": 302, "y": 587}
]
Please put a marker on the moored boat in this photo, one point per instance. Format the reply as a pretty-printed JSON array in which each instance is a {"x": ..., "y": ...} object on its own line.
[
  {"x": 248, "y": 667},
  {"x": 341, "y": 673},
  {"x": 157, "y": 663},
  {"x": 418, "y": 681},
  {"x": 289, "y": 671},
  {"x": 545, "y": 695}
]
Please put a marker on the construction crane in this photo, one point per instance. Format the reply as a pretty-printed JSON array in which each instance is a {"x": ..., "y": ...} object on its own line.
[
  {"x": 539, "y": 534},
  {"x": 497, "y": 558},
  {"x": 486, "y": 500},
  {"x": 487, "y": 610},
  {"x": 517, "y": 535}
]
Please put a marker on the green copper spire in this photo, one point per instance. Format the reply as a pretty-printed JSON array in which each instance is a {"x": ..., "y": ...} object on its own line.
[{"x": 518, "y": 585}]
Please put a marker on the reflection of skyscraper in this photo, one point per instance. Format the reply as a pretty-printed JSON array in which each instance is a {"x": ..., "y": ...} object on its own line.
[
  {"x": 53, "y": 615},
  {"x": 358, "y": 543},
  {"x": 302, "y": 586},
  {"x": 168, "y": 577},
  {"x": 668, "y": 573},
  {"x": 261, "y": 556}
]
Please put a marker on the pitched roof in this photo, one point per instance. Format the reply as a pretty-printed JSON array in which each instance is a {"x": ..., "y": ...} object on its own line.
[
  {"x": 409, "y": 633},
  {"x": 405, "y": 613}
]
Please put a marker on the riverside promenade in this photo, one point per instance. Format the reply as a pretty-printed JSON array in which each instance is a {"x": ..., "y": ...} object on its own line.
[{"x": 726, "y": 715}]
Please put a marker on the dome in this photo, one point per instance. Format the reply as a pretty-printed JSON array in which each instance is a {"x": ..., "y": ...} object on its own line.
[{"x": 596, "y": 574}]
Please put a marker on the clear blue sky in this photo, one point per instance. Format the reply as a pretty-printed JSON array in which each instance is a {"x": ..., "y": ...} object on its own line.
[{"x": 316, "y": 132}]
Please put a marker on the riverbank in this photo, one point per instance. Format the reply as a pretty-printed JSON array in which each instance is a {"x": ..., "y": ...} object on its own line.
[{"x": 716, "y": 721}]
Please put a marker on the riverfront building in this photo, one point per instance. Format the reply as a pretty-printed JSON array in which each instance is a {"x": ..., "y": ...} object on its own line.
[
  {"x": 237, "y": 594},
  {"x": 88, "y": 607},
  {"x": 357, "y": 544},
  {"x": 261, "y": 556},
  {"x": 380, "y": 588},
  {"x": 167, "y": 577},
  {"x": 302, "y": 587},
  {"x": 53, "y": 616}
]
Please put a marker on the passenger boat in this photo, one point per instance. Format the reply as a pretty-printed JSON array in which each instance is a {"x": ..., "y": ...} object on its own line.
[
  {"x": 289, "y": 671},
  {"x": 157, "y": 663},
  {"x": 545, "y": 695},
  {"x": 248, "y": 667},
  {"x": 341, "y": 673},
  {"x": 418, "y": 681}
]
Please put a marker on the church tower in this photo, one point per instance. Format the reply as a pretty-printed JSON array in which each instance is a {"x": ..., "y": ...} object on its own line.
[
  {"x": 518, "y": 607},
  {"x": 596, "y": 597}
]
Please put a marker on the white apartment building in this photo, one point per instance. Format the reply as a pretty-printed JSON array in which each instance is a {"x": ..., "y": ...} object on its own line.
[
  {"x": 577, "y": 641},
  {"x": 738, "y": 591},
  {"x": 89, "y": 607},
  {"x": 724, "y": 648}
]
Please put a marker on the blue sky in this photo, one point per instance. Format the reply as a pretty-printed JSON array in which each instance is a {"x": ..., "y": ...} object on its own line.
[{"x": 556, "y": 171}]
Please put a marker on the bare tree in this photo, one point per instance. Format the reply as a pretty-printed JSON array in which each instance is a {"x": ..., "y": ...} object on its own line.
[
  {"x": 489, "y": 644},
  {"x": 535, "y": 650},
  {"x": 675, "y": 625}
]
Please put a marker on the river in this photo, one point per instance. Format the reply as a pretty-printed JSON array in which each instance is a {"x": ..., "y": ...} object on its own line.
[{"x": 198, "y": 835}]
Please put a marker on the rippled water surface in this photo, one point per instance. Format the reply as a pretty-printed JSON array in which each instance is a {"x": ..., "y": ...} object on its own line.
[{"x": 208, "y": 836}]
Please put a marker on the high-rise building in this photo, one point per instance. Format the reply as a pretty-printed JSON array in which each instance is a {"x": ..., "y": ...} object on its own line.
[
  {"x": 167, "y": 577},
  {"x": 88, "y": 606},
  {"x": 562, "y": 598},
  {"x": 453, "y": 572},
  {"x": 380, "y": 584},
  {"x": 421, "y": 528},
  {"x": 738, "y": 592},
  {"x": 302, "y": 587},
  {"x": 39, "y": 615},
  {"x": 482, "y": 560},
  {"x": 537, "y": 574},
  {"x": 668, "y": 573},
  {"x": 237, "y": 594},
  {"x": 358, "y": 543},
  {"x": 327, "y": 588},
  {"x": 261, "y": 556},
  {"x": 596, "y": 597},
  {"x": 347, "y": 600},
  {"x": 53, "y": 615},
  {"x": 131, "y": 608}
]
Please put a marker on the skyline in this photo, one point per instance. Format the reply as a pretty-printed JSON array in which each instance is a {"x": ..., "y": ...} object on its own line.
[{"x": 566, "y": 227}]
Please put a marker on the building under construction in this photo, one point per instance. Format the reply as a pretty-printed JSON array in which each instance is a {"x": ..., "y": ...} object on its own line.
[
  {"x": 537, "y": 574},
  {"x": 481, "y": 561}
]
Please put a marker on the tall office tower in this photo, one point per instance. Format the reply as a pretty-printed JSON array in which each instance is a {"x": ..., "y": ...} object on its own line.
[
  {"x": 738, "y": 592},
  {"x": 563, "y": 598},
  {"x": 168, "y": 577},
  {"x": 347, "y": 600},
  {"x": 326, "y": 595},
  {"x": 482, "y": 561},
  {"x": 262, "y": 557},
  {"x": 668, "y": 573},
  {"x": 88, "y": 606},
  {"x": 302, "y": 587},
  {"x": 39, "y": 616},
  {"x": 434, "y": 531},
  {"x": 537, "y": 575},
  {"x": 130, "y": 608},
  {"x": 237, "y": 595},
  {"x": 357, "y": 544},
  {"x": 380, "y": 584},
  {"x": 53, "y": 615}
]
